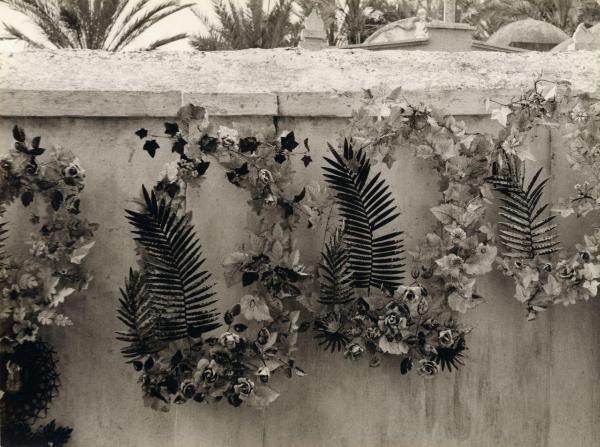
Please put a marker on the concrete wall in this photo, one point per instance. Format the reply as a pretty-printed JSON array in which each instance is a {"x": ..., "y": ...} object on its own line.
[{"x": 525, "y": 383}]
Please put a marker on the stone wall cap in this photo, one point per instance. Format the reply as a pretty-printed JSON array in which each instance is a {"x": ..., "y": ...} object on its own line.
[{"x": 285, "y": 70}]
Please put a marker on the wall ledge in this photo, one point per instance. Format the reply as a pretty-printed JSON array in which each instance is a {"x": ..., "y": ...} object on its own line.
[{"x": 280, "y": 82}]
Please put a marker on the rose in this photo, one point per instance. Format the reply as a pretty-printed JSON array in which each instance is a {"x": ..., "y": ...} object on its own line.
[
  {"x": 188, "y": 389},
  {"x": 73, "y": 172},
  {"x": 373, "y": 333},
  {"x": 243, "y": 388},
  {"x": 28, "y": 281},
  {"x": 445, "y": 337},
  {"x": 265, "y": 176},
  {"x": 390, "y": 324},
  {"x": 6, "y": 164},
  {"x": 427, "y": 368},
  {"x": 354, "y": 351},
  {"x": 229, "y": 340},
  {"x": 206, "y": 371},
  {"x": 72, "y": 204},
  {"x": 264, "y": 374},
  {"x": 31, "y": 168}
]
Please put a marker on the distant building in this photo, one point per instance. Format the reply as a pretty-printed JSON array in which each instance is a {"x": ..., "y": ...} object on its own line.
[{"x": 418, "y": 33}]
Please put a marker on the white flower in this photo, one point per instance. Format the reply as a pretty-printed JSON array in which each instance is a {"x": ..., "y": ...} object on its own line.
[
  {"x": 393, "y": 347},
  {"x": 254, "y": 308},
  {"x": 170, "y": 172}
]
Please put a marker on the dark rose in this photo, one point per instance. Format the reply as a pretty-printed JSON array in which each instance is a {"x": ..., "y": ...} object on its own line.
[
  {"x": 188, "y": 389},
  {"x": 243, "y": 388},
  {"x": 427, "y": 368}
]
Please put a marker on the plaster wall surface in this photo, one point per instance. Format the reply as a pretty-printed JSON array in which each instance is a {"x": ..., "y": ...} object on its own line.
[{"x": 525, "y": 383}]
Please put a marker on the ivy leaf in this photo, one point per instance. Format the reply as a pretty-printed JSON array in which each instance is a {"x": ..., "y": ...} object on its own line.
[
  {"x": 57, "y": 200},
  {"x": 35, "y": 143},
  {"x": 202, "y": 167},
  {"x": 248, "y": 144},
  {"x": 501, "y": 115},
  {"x": 306, "y": 159},
  {"x": 289, "y": 142},
  {"x": 228, "y": 318},
  {"x": 179, "y": 145},
  {"x": 405, "y": 365},
  {"x": 280, "y": 157},
  {"x": 298, "y": 198},
  {"x": 249, "y": 277},
  {"x": 171, "y": 129},
  {"x": 150, "y": 146},
  {"x": 208, "y": 144},
  {"x": 27, "y": 198},
  {"x": 235, "y": 310},
  {"x": 142, "y": 133},
  {"x": 18, "y": 134},
  {"x": 235, "y": 175}
]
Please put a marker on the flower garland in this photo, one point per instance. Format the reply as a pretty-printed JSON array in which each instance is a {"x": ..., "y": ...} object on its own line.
[
  {"x": 262, "y": 328},
  {"x": 415, "y": 321},
  {"x": 561, "y": 276},
  {"x": 32, "y": 289}
]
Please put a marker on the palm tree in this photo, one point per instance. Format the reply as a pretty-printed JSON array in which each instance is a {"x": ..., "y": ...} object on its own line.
[
  {"x": 251, "y": 27},
  {"x": 93, "y": 24},
  {"x": 565, "y": 14}
]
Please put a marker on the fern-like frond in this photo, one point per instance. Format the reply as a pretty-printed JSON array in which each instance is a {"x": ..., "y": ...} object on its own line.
[
  {"x": 137, "y": 315},
  {"x": 525, "y": 232},
  {"x": 174, "y": 279},
  {"x": 367, "y": 205},
  {"x": 336, "y": 278}
]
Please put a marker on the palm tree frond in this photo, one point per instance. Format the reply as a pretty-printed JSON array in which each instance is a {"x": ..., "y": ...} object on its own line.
[
  {"x": 366, "y": 204},
  {"x": 173, "y": 259},
  {"x": 524, "y": 230},
  {"x": 336, "y": 278}
]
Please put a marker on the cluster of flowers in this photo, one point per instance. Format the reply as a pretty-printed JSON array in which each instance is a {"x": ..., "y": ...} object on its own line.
[
  {"x": 263, "y": 327},
  {"x": 32, "y": 289},
  {"x": 236, "y": 365},
  {"x": 401, "y": 324},
  {"x": 564, "y": 277}
]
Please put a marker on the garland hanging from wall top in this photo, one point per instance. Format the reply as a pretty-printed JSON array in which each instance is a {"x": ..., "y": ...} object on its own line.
[
  {"x": 32, "y": 289},
  {"x": 543, "y": 272},
  {"x": 168, "y": 306},
  {"x": 367, "y": 304}
]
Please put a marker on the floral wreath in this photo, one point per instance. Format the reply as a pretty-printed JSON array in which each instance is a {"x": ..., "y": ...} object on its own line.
[
  {"x": 33, "y": 289},
  {"x": 383, "y": 315},
  {"x": 165, "y": 324},
  {"x": 544, "y": 274}
]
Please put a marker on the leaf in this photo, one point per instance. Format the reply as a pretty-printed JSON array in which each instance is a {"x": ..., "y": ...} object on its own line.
[
  {"x": 57, "y": 200},
  {"x": 249, "y": 277},
  {"x": 35, "y": 143},
  {"x": 179, "y": 145},
  {"x": 18, "y": 134},
  {"x": 208, "y": 144},
  {"x": 142, "y": 133},
  {"x": 173, "y": 261},
  {"x": 171, "y": 129},
  {"x": 367, "y": 205},
  {"x": 27, "y": 198},
  {"x": 280, "y": 157},
  {"x": 239, "y": 327},
  {"x": 151, "y": 146},
  {"x": 202, "y": 167},
  {"x": 136, "y": 313},
  {"x": 81, "y": 252},
  {"x": 248, "y": 144},
  {"x": 288, "y": 142},
  {"x": 306, "y": 159},
  {"x": 501, "y": 115},
  {"x": 405, "y": 365},
  {"x": 337, "y": 284},
  {"x": 300, "y": 196},
  {"x": 524, "y": 231}
]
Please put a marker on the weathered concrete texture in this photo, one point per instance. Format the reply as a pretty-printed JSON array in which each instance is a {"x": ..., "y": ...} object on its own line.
[{"x": 29, "y": 81}]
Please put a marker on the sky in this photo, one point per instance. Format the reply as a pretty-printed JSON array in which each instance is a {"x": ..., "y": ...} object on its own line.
[{"x": 182, "y": 21}]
